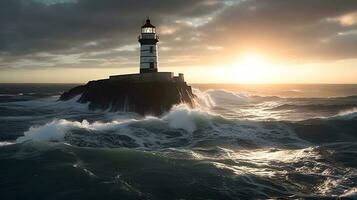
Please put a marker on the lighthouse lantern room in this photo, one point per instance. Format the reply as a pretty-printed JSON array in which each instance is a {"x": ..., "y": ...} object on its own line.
[{"x": 148, "y": 48}]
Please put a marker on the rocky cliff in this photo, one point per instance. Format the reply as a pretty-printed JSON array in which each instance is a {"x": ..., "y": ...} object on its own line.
[{"x": 153, "y": 98}]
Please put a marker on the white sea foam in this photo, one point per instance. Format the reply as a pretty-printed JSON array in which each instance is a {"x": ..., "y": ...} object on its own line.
[
  {"x": 347, "y": 114},
  {"x": 6, "y": 143},
  {"x": 53, "y": 131}
]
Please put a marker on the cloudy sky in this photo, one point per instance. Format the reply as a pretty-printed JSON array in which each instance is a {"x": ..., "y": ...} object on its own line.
[{"x": 235, "y": 41}]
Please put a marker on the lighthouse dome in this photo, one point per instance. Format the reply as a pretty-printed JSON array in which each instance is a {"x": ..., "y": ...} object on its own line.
[
  {"x": 148, "y": 27},
  {"x": 148, "y": 24}
]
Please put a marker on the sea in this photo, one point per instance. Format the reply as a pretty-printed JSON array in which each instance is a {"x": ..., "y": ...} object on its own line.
[{"x": 239, "y": 142}]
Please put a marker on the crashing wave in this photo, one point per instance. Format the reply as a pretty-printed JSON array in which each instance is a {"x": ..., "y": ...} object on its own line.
[{"x": 180, "y": 127}]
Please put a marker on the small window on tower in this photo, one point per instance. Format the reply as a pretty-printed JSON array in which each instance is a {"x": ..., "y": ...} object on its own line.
[
  {"x": 151, "y": 49},
  {"x": 152, "y": 65}
]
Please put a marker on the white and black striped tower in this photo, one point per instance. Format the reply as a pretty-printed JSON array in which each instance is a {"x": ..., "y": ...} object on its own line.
[{"x": 148, "y": 49}]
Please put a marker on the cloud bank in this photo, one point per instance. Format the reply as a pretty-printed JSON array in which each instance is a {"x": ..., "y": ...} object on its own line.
[{"x": 92, "y": 33}]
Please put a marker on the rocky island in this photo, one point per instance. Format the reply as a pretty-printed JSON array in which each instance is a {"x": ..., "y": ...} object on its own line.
[{"x": 149, "y": 92}]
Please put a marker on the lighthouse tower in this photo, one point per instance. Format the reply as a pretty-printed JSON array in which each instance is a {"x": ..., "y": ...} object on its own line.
[{"x": 148, "y": 48}]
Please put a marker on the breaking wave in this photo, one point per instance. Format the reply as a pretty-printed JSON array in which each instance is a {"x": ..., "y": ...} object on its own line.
[
  {"x": 347, "y": 114},
  {"x": 181, "y": 127}
]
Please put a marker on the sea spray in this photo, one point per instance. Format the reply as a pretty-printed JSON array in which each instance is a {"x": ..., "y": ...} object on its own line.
[
  {"x": 183, "y": 117},
  {"x": 203, "y": 99},
  {"x": 53, "y": 131}
]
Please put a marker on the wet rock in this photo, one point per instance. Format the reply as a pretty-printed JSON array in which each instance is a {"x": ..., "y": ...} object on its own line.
[{"x": 147, "y": 98}]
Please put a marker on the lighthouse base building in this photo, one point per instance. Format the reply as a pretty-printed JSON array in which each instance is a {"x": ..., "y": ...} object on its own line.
[{"x": 148, "y": 77}]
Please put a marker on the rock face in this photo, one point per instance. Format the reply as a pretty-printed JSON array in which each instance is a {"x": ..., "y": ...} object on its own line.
[{"x": 150, "y": 97}]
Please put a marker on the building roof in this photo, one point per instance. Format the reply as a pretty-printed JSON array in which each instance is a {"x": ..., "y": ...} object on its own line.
[{"x": 148, "y": 24}]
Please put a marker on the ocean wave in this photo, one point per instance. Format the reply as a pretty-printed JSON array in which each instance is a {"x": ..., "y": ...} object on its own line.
[
  {"x": 244, "y": 106},
  {"x": 142, "y": 131},
  {"x": 181, "y": 127},
  {"x": 310, "y": 172},
  {"x": 350, "y": 193},
  {"x": 197, "y": 153},
  {"x": 314, "y": 107},
  {"x": 45, "y": 106},
  {"x": 343, "y": 114},
  {"x": 225, "y": 96},
  {"x": 11, "y": 95},
  {"x": 347, "y": 114}
]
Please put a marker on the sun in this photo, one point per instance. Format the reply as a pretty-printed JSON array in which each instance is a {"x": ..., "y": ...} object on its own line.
[
  {"x": 252, "y": 59},
  {"x": 251, "y": 67}
]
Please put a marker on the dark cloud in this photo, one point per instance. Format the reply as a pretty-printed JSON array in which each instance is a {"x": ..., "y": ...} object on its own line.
[
  {"x": 300, "y": 28},
  {"x": 29, "y": 26},
  {"x": 92, "y": 30}
]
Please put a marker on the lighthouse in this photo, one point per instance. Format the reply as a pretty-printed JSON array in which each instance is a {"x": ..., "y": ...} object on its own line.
[
  {"x": 148, "y": 48},
  {"x": 148, "y": 61}
]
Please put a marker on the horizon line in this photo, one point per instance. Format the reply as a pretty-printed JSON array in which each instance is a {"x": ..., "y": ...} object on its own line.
[{"x": 195, "y": 83}]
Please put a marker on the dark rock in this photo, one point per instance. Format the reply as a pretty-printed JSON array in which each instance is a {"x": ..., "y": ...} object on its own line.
[{"x": 153, "y": 97}]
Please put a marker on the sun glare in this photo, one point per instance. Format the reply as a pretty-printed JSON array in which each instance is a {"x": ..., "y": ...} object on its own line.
[{"x": 251, "y": 67}]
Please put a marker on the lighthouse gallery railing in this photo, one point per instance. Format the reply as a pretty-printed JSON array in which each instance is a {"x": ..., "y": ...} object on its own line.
[{"x": 148, "y": 36}]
